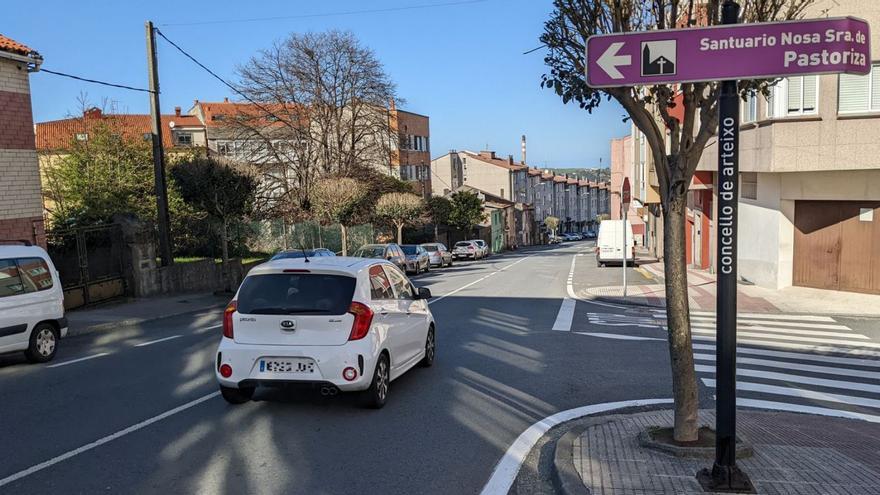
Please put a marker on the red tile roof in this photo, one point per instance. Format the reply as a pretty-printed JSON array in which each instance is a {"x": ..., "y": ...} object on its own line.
[
  {"x": 559, "y": 179},
  {"x": 583, "y": 183},
  {"x": 572, "y": 181},
  {"x": 534, "y": 171},
  {"x": 12, "y": 46},
  {"x": 217, "y": 114},
  {"x": 498, "y": 162},
  {"x": 59, "y": 134}
]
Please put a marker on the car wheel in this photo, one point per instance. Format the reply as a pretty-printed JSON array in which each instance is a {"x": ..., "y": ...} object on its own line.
[
  {"x": 43, "y": 344},
  {"x": 376, "y": 396},
  {"x": 428, "y": 268},
  {"x": 430, "y": 349},
  {"x": 237, "y": 395}
]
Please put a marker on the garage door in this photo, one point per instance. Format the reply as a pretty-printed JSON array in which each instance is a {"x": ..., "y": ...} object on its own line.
[{"x": 837, "y": 245}]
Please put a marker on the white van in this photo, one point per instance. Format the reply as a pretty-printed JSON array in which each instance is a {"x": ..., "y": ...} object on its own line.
[
  {"x": 609, "y": 243},
  {"x": 31, "y": 303}
]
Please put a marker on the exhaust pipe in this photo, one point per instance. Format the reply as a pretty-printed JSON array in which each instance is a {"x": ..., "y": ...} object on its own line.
[{"x": 329, "y": 391}]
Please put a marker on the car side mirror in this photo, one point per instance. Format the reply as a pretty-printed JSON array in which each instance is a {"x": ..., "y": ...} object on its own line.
[{"x": 424, "y": 293}]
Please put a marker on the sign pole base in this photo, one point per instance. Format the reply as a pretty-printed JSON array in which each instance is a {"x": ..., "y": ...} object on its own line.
[{"x": 725, "y": 479}]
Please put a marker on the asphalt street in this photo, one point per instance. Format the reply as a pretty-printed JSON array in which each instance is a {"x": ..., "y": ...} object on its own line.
[{"x": 137, "y": 411}]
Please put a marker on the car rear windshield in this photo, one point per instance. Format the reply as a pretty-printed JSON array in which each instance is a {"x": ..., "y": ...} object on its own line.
[
  {"x": 462, "y": 244},
  {"x": 293, "y": 254},
  {"x": 410, "y": 249},
  {"x": 370, "y": 252},
  {"x": 295, "y": 293},
  {"x": 430, "y": 247}
]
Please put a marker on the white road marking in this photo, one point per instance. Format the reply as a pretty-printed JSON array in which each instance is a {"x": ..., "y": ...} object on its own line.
[
  {"x": 821, "y": 411},
  {"x": 463, "y": 287},
  {"x": 65, "y": 363},
  {"x": 799, "y": 338},
  {"x": 763, "y": 316},
  {"x": 101, "y": 441},
  {"x": 144, "y": 344},
  {"x": 792, "y": 345},
  {"x": 803, "y": 356},
  {"x": 786, "y": 377},
  {"x": 565, "y": 316},
  {"x": 508, "y": 467},
  {"x": 787, "y": 324},
  {"x": 624, "y": 320},
  {"x": 617, "y": 336},
  {"x": 790, "y": 330},
  {"x": 788, "y": 365},
  {"x": 800, "y": 393}
]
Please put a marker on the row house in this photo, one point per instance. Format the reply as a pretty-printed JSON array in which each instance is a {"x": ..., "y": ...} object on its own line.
[{"x": 623, "y": 167}]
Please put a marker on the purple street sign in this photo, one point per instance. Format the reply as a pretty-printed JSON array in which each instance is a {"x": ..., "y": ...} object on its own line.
[{"x": 742, "y": 51}]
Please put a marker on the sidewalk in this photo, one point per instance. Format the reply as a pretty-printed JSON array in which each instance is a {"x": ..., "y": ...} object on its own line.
[
  {"x": 128, "y": 312},
  {"x": 793, "y": 454},
  {"x": 750, "y": 298}
]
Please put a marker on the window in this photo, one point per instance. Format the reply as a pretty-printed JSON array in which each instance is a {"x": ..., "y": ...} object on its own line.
[
  {"x": 35, "y": 274},
  {"x": 401, "y": 284},
  {"x": 295, "y": 293},
  {"x": 750, "y": 108},
  {"x": 10, "y": 280},
  {"x": 380, "y": 286},
  {"x": 748, "y": 185},
  {"x": 859, "y": 94},
  {"x": 184, "y": 139},
  {"x": 794, "y": 96}
]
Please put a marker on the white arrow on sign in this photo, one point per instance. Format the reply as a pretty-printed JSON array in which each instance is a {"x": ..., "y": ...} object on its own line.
[{"x": 610, "y": 60}]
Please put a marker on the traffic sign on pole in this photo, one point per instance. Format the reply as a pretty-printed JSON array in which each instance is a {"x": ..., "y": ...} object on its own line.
[{"x": 727, "y": 52}]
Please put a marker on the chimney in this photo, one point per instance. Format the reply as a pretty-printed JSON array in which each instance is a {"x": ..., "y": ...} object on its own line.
[
  {"x": 92, "y": 113},
  {"x": 523, "y": 149},
  {"x": 487, "y": 154},
  {"x": 226, "y": 100},
  {"x": 510, "y": 159},
  {"x": 177, "y": 111}
]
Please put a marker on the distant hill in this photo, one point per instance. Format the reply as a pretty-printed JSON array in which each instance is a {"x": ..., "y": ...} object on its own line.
[{"x": 592, "y": 174}]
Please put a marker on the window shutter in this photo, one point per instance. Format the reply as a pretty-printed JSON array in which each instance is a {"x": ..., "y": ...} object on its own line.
[
  {"x": 794, "y": 94},
  {"x": 875, "y": 87},
  {"x": 810, "y": 84},
  {"x": 853, "y": 93}
]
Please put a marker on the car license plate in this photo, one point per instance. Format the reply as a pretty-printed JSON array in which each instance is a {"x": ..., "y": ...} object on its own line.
[{"x": 305, "y": 366}]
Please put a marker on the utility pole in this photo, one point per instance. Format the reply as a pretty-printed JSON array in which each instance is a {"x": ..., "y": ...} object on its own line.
[{"x": 163, "y": 219}]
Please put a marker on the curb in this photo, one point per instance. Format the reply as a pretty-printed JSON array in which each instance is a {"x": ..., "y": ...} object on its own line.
[
  {"x": 131, "y": 322},
  {"x": 565, "y": 476}
]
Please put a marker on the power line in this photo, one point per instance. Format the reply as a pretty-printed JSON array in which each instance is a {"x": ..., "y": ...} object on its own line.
[
  {"x": 209, "y": 71},
  {"x": 94, "y": 81},
  {"x": 327, "y": 14}
]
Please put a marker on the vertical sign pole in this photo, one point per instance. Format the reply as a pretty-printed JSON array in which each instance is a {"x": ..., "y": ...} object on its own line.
[
  {"x": 158, "y": 150},
  {"x": 726, "y": 475},
  {"x": 623, "y": 228}
]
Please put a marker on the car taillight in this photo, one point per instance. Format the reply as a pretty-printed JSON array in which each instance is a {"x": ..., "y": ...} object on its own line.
[
  {"x": 470, "y": 248},
  {"x": 227, "y": 319},
  {"x": 363, "y": 318}
]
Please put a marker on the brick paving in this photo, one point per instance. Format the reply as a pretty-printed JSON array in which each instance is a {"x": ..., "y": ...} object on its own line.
[{"x": 794, "y": 454}]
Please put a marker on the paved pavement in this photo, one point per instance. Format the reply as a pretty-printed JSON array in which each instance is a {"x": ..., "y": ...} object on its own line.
[
  {"x": 137, "y": 411},
  {"x": 793, "y": 454}
]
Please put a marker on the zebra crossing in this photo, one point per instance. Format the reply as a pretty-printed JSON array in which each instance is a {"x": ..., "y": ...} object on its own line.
[{"x": 795, "y": 362}]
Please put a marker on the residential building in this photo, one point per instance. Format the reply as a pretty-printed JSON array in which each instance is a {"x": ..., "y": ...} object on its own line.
[
  {"x": 560, "y": 206},
  {"x": 411, "y": 161},
  {"x": 21, "y": 211},
  {"x": 646, "y": 192},
  {"x": 501, "y": 217},
  {"x": 484, "y": 171},
  {"x": 623, "y": 167},
  {"x": 571, "y": 204},
  {"x": 809, "y": 209}
]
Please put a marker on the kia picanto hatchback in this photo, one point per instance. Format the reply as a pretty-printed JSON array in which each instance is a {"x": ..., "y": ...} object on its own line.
[{"x": 341, "y": 324}]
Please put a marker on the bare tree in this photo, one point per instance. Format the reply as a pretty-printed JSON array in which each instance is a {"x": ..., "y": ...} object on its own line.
[
  {"x": 400, "y": 209},
  {"x": 340, "y": 200},
  {"x": 322, "y": 109},
  {"x": 565, "y": 35}
]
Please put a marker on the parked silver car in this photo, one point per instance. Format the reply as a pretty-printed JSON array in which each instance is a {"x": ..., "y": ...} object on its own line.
[
  {"x": 467, "y": 250},
  {"x": 417, "y": 258},
  {"x": 439, "y": 254},
  {"x": 484, "y": 248}
]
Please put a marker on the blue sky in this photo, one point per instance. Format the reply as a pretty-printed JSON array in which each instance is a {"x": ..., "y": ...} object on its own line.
[{"x": 462, "y": 65}]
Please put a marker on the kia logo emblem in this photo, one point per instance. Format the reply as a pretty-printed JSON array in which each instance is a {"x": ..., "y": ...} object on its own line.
[{"x": 288, "y": 324}]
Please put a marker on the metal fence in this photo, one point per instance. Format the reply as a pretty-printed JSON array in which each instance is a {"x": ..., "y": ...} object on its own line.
[
  {"x": 276, "y": 235},
  {"x": 90, "y": 263}
]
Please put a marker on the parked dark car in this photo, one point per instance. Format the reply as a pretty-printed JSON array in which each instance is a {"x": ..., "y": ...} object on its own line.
[
  {"x": 302, "y": 253},
  {"x": 390, "y": 252},
  {"x": 417, "y": 258},
  {"x": 440, "y": 255}
]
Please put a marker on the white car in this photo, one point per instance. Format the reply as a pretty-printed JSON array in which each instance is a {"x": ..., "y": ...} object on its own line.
[
  {"x": 484, "y": 248},
  {"x": 339, "y": 323},
  {"x": 31, "y": 303}
]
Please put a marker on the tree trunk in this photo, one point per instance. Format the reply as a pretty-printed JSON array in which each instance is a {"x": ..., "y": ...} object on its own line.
[
  {"x": 681, "y": 353},
  {"x": 400, "y": 233},
  {"x": 224, "y": 247},
  {"x": 436, "y": 233},
  {"x": 344, "y": 232}
]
